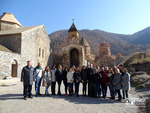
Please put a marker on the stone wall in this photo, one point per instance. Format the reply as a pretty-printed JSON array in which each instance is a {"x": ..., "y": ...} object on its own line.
[
  {"x": 6, "y": 59},
  {"x": 12, "y": 42},
  {"x": 32, "y": 41},
  {"x": 7, "y": 25},
  {"x": 66, "y": 55}
]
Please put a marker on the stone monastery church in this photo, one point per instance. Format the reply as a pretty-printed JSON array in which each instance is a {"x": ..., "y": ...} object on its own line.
[
  {"x": 19, "y": 44},
  {"x": 78, "y": 53}
]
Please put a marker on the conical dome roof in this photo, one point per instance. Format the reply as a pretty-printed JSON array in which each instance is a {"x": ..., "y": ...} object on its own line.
[
  {"x": 72, "y": 28},
  {"x": 104, "y": 44},
  {"x": 8, "y": 17},
  {"x": 84, "y": 42}
]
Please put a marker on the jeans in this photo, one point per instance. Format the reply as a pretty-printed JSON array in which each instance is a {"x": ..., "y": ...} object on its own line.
[
  {"x": 70, "y": 85},
  {"x": 112, "y": 90},
  {"x": 46, "y": 89},
  {"x": 84, "y": 88},
  {"x": 97, "y": 89},
  {"x": 104, "y": 89},
  {"x": 119, "y": 94},
  {"x": 38, "y": 85},
  {"x": 125, "y": 93},
  {"x": 27, "y": 90},
  {"x": 59, "y": 85},
  {"x": 53, "y": 88},
  {"x": 77, "y": 88}
]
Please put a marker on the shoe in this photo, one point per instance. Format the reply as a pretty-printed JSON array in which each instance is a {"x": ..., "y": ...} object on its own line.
[
  {"x": 25, "y": 98},
  {"x": 119, "y": 100},
  {"x": 66, "y": 95},
  {"x": 39, "y": 94},
  {"x": 31, "y": 97},
  {"x": 123, "y": 97},
  {"x": 36, "y": 95},
  {"x": 112, "y": 98}
]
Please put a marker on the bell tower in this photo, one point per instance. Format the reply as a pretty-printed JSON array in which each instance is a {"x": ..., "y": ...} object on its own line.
[{"x": 73, "y": 33}]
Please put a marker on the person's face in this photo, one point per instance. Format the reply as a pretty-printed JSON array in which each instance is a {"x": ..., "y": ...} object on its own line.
[
  {"x": 96, "y": 71},
  {"x": 123, "y": 70},
  {"x": 66, "y": 69},
  {"x": 84, "y": 67},
  {"x": 39, "y": 64},
  {"x": 70, "y": 70},
  {"x": 116, "y": 71},
  {"x": 60, "y": 67},
  {"x": 78, "y": 68},
  {"x": 120, "y": 67},
  {"x": 102, "y": 69},
  {"x": 54, "y": 67},
  {"x": 110, "y": 70},
  {"x": 29, "y": 64}
]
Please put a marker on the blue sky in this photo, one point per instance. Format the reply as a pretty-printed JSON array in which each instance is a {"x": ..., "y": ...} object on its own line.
[{"x": 117, "y": 16}]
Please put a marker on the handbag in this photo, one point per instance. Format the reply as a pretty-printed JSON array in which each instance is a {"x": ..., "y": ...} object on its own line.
[{"x": 44, "y": 82}]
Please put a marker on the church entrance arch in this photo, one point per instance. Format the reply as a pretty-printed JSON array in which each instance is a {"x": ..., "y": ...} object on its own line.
[{"x": 74, "y": 57}]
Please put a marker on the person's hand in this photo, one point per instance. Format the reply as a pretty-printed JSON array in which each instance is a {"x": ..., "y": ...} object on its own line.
[
  {"x": 123, "y": 84},
  {"x": 114, "y": 84}
]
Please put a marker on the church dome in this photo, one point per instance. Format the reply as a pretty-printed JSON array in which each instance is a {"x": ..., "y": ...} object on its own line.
[{"x": 104, "y": 44}]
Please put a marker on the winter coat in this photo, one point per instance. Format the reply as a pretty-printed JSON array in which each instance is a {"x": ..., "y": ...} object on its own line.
[
  {"x": 117, "y": 81},
  {"x": 59, "y": 77},
  {"x": 104, "y": 77},
  {"x": 97, "y": 78},
  {"x": 64, "y": 76},
  {"x": 126, "y": 80},
  {"x": 47, "y": 77},
  {"x": 90, "y": 75},
  {"x": 69, "y": 77},
  {"x": 27, "y": 75},
  {"x": 77, "y": 76},
  {"x": 84, "y": 75}
]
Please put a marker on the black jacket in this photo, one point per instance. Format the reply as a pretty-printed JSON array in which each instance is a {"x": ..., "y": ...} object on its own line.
[
  {"x": 90, "y": 73},
  {"x": 64, "y": 76},
  {"x": 27, "y": 75},
  {"x": 97, "y": 78},
  {"x": 77, "y": 76},
  {"x": 84, "y": 75},
  {"x": 58, "y": 74}
]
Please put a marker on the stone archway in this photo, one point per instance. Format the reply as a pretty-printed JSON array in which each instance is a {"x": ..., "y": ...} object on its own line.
[
  {"x": 14, "y": 66},
  {"x": 74, "y": 57}
]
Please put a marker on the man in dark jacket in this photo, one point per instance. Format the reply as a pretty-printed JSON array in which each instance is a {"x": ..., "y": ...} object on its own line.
[
  {"x": 97, "y": 80},
  {"x": 59, "y": 78},
  {"x": 84, "y": 78},
  {"x": 27, "y": 77}
]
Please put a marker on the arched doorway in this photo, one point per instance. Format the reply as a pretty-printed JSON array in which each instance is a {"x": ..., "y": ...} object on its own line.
[
  {"x": 74, "y": 57},
  {"x": 14, "y": 68}
]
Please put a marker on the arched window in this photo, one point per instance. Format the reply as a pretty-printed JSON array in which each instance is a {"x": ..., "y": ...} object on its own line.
[
  {"x": 43, "y": 53},
  {"x": 39, "y": 52}
]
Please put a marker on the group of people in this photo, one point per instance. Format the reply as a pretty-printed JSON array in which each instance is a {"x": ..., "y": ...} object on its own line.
[{"x": 97, "y": 79}]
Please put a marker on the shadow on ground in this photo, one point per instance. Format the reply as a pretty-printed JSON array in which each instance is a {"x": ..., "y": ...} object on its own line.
[
  {"x": 72, "y": 99},
  {"x": 11, "y": 97}
]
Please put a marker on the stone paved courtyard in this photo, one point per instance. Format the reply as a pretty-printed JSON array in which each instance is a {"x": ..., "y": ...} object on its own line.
[{"x": 11, "y": 101}]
